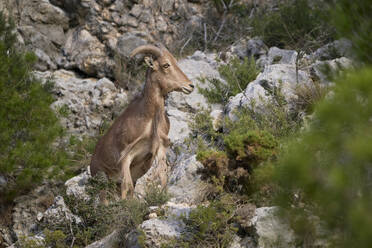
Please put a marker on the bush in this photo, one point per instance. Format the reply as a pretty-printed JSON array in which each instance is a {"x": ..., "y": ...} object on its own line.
[
  {"x": 208, "y": 226},
  {"x": 296, "y": 24},
  {"x": 28, "y": 127},
  {"x": 202, "y": 126},
  {"x": 237, "y": 75},
  {"x": 55, "y": 239},
  {"x": 252, "y": 141},
  {"x": 327, "y": 171},
  {"x": 251, "y": 148},
  {"x": 216, "y": 30}
]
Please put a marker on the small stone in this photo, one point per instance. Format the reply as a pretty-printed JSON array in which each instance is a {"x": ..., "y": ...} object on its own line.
[
  {"x": 132, "y": 22},
  {"x": 146, "y": 16},
  {"x": 153, "y": 208},
  {"x": 136, "y": 10},
  {"x": 153, "y": 216},
  {"x": 217, "y": 117},
  {"x": 161, "y": 24},
  {"x": 39, "y": 216},
  {"x": 3, "y": 182}
]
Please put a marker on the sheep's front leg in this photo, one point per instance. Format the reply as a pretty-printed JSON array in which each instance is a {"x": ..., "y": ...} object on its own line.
[
  {"x": 162, "y": 169},
  {"x": 127, "y": 187}
]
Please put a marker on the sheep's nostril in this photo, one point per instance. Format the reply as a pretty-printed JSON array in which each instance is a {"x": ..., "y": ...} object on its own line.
[{"x": 192, "y": 86}]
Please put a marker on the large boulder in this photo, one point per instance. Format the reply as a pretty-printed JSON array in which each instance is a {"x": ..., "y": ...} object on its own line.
[
  {"x": 249, "y": 48},
  {"x": 274, "y": 77},
  {"x": 48, "y": 54},
  {"x": 43, "y": 27},
  {"x": 181, "y": 106},
  {"x": 59, "y": 214},
  {"x": 155, "y": 232},
  {"x": 271, "y": 230},
  {"x": 185, "y": 184},
  {"x": 85, "y": 52},
  {"x": 86, "y": 103},
  {"x": 197, "y": 66},
  {"x": 335, "y": 49},
  {"x": 76, "y": 186},
  {"x": 127, "y": 43},
  {"x": 323, "y": 70},
  {"x": 179, "y": 128}
]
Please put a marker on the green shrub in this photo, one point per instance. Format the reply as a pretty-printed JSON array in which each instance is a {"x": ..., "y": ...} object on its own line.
[
  {"x": 208, "y": 226},
  {"x": 202, "y": 126},
  {"x": 55, "y": 239},
  {"x": 237, "y": 74},
  {"x": 296, "y": 24},
  {"x": 211, "y": 226},
  {"x": 326, "y": 171},
  {"x": 25, "y": 242},
  {"x": 250, "y": 142},
  {"x": 251, "y": 148},
  {"x": 28, "y": 126},
  {"x": 354, "y": 21}
]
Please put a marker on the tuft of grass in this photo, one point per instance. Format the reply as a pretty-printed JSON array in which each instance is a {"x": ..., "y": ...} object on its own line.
[
  {"x": 64, "y": 111},
  {"x": 156, "y": 196},
  {"x": 308, "y": 95},
  {"x": 237, "y": 74}
]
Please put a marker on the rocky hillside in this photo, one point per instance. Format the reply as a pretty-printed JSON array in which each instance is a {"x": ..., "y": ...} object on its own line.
[
  {"x": 85, "y": 36},
  {"x": 78, "y": 44}
]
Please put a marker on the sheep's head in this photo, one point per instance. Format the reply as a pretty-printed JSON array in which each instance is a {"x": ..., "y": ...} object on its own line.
[{"x": 164, "y": 69}]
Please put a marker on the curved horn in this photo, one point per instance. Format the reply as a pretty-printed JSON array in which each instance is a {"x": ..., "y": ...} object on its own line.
[{"x": 147, "y": 49}]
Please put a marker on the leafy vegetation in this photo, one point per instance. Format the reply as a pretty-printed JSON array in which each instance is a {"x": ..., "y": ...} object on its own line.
[
  {"x": 237, "y": 75},
  {"x": 28, "y": 127},
  {"x": 247, "y": 145},
  {"x": 208, "y": 226},
  {"x": 327, "y": 171},
  {"x": 295, "y": 24}
]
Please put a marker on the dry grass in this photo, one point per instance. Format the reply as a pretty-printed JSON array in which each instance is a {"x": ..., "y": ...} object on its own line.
[{"x": 307, "y": 95}]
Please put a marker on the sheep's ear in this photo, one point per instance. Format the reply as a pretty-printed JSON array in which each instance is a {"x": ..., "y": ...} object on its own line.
[{"x": 151, "y": 63}]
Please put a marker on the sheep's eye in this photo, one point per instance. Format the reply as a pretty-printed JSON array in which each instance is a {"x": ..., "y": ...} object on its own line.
[{"x": 165, "y": 66}]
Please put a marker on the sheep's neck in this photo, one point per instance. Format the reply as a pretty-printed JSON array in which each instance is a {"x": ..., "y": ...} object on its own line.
[{"x": 154, "y": 99}]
